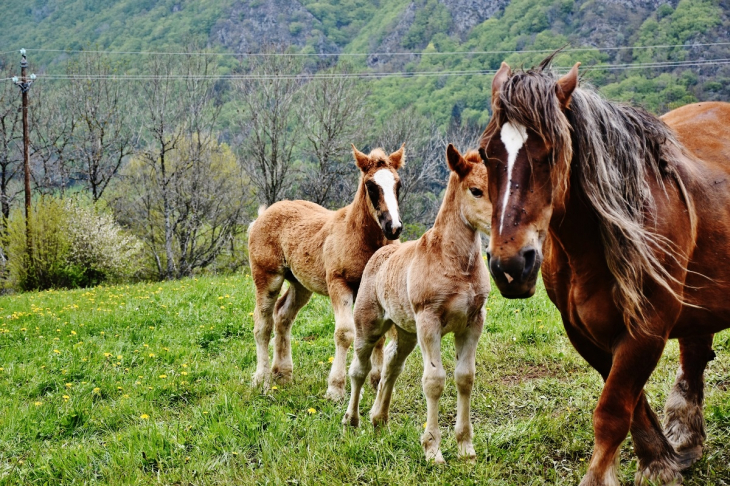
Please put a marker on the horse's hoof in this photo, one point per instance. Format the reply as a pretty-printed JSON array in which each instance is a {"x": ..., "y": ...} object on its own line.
[
  {"x": 351, "y": 420},
  {"x": 688, "y": 456},
  {"x": 260, "y": 380},
  {"x": 660, "y": 472},
  {"x": 436, "y": 457},
  {"x": 335, "y": 394},
  {"x": 467, "y": 453},
  {"x": 378, "y": 420},
  {"x": 282, "y": 376}
]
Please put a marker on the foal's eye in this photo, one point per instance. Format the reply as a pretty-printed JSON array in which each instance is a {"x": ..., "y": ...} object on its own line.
[{"x": 476, "y": 192}]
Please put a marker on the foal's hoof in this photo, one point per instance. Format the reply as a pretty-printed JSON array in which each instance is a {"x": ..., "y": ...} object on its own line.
[
  {"x": 282, "y": 376},
  {"x": 661, "y": 472},
  {"x": 260, "y": 380},
  {"x": 378, "y": 419},
  {"x": 467, "y": 453},
  {"x": 335, "y": 394},
  {"x": 352, "y": 420},
  {"x": 435, "y": 456}
]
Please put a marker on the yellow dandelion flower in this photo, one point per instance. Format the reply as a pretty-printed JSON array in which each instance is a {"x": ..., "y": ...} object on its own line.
[
  {"x": 205, "y": 413},
  {"x": 57, "y": 351},
  {"x": 223, "y": 307},
  {"x": 125, "y": 396},
  {"x": 96, "y": 390},
  {"x": 184, "y": 373},
  {"x": 331, "y": 359},
  {"x": 220, "y": 297},
  {"x": 311, "y": 411},
  {"x": 119, "y": 356},
  {"x": 146, "y": 345},
  {"x": 152, "y": 355},
  {"x": 274, "y": 387},
  {"x": 184, "y": 365},
  {"x": 73, "y": 333},
  {"x": 149, "y": 388},
  {"x": 38, "y": 404},
  {"x": 250, "y": 313},
  {"x": 321, "y": 362},
  {"x": 163, "y": 376},
  {"x": 107, "y": 354},
  {"x": 425, "y": 424},
  {"x": 144, "y": 416},
  {"x": 69, "y": 385},
  {"x": 119, "y": 388},
  {"x": 234, "y": 453},
  {"x": 66, "y": 397}
]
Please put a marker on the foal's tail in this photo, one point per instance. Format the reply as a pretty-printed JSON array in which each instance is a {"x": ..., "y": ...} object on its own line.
[{"x": 262, "y": 208}]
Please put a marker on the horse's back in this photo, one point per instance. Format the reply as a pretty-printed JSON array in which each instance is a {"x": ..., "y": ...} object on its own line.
[
  {"x": 703, "y": 128},
  {"x": 289, "y": 235}
]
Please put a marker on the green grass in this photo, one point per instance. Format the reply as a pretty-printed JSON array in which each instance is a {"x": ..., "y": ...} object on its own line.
[{"x": 149, "y": 383}]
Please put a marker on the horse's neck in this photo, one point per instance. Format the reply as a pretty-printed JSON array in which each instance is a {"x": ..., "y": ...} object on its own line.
[
  {"x": 452, "y": 235},
  {"x": 360, "y": 220},
  {"x": 576, "y": 229}
]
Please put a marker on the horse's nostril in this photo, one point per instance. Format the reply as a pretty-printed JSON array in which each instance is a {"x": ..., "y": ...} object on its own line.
[{"x": 530, "y": 256}]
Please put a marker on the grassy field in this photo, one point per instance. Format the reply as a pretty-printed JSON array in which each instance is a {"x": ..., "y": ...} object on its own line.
[{"x": 149, "y": 383}]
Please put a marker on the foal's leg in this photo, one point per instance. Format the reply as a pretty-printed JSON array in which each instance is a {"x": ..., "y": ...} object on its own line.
[
  {"x": 295, "y": 297},
  {"x": 466, "y": 346},
  {"x": 684, "y": 421},
  {"x": 367, "y": 337},
  {"x": 429, "y": 338},
  {"x": 342, "y": 298},
  {"x": 634, "y": 359},
  {"x": 268, "y": 286},
  {"x": 400, "y": 346},
  {"x": 376, "y": 359}
]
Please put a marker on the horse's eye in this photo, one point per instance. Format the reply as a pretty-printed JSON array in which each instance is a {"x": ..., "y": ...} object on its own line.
[{"x": 476, "y": 192}]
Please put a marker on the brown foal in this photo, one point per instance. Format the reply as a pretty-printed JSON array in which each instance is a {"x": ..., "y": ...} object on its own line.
[
  {"x": 631, "y": 223},
  {"x": 428, "y": 288},
  {"x": 322, "y": 251}
]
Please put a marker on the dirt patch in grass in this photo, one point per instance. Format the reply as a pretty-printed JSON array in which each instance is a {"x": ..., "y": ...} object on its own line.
[{"x": 531, "y": 372}]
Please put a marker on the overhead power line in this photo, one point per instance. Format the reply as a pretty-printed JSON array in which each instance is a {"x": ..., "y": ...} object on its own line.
[
  {"x": 361, "y": 54},
  {"x": 377, "y": 75}
]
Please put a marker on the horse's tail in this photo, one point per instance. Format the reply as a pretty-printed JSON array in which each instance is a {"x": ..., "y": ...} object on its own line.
[{"x": 262, "y": 208}]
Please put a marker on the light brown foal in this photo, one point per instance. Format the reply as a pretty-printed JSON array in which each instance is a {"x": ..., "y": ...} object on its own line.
[
  {"x": 322, "y": 251},
  {"x": 427, "y": 288}
]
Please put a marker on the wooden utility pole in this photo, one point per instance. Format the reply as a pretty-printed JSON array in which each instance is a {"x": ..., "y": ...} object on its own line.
[{"x": 24, "y": 84}]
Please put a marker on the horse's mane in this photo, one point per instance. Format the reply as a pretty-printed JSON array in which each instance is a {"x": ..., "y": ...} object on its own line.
[{"x": 614, "y": 150}]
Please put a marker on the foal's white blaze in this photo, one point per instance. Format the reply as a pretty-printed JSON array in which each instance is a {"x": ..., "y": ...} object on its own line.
[
  {"x": 513, "y": 137},
  {"x": 384, "y": 178}
]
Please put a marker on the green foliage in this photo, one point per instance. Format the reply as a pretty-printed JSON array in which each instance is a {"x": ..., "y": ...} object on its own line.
[
  {"x": 432, "y": 17},
  {"x": 658, "y": 94},
  {"x": 150, "y": 383},
  {"x": 73, "y": 245}
]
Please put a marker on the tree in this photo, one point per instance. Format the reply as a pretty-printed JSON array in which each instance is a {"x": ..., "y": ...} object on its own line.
[
  {"x": 102, "y": 109},
  {"x": 269, "y": 124},
  {"x": 332, "y": 113},
  {"x": 11, "y": 151}
]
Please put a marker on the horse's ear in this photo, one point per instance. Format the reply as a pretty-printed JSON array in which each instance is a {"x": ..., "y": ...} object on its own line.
[
  {"x": 362, "y": 160},
  {"x": 456, "y": 162},
  {"x": 398, "y": 157},
  {"x": 566, "y": 85},
  {"x": 499, "y": 79}
]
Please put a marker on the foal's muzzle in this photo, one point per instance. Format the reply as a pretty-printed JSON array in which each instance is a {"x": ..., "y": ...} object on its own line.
[
  {"x": 516, "y": 275},
  {"x": 391, "y": 229}
]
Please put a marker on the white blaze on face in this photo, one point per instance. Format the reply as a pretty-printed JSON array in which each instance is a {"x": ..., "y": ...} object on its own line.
[
  {"x": 513, "y": 137},
  {"x": 385, "y": 179}
]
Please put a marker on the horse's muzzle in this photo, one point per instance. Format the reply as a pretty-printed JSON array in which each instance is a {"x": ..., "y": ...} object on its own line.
[
  {"x": 516, "y": 275},
  {"x": 391, "y": 229}
]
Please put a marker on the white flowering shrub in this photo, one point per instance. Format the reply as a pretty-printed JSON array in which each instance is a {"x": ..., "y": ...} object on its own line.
[
  {"x": 98, "y": 244},
  {"x": 74, "y": 244}
]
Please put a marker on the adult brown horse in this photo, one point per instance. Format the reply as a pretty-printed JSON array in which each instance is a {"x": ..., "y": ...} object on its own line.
[{"x": 631, "y": 224}]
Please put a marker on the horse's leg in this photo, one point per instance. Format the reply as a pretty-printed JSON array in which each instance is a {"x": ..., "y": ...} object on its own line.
[
  {"x": 429, "y": 338},
  {"x": 342, "y": 298},
  {"x": 367, "y": 337},
  {"x": 466, "y": 346},
  {"x": 287, "y": 307},
  {"x": 395, "y": 354},
  {"x": 684, "y": 422},
  {"x": 634, "y": 359},
  {"x": 376, "y": 359},
  {"x": 268, "y": 286},
  {"x": 657, "y": 459}
]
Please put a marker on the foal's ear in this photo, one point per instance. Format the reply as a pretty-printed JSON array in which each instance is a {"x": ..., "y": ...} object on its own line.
[
  {"x": 456, "y": 162},
  {"x": 362, "y": 160},
  {"x": 566, "y": 85},
  {"x": 398, "y": 157},
  {"x": 499, "y": 79}
]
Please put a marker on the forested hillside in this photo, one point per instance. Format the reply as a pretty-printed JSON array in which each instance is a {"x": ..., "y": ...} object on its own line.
[
  {"x": 174, "y": 119},
  {"x": 605, "y": 29}
]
